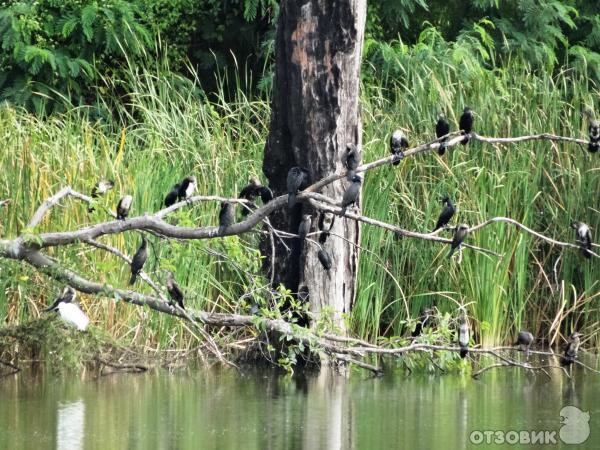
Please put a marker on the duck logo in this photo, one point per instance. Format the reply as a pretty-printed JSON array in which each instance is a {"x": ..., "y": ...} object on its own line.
[{"x": 576, "y": 427}]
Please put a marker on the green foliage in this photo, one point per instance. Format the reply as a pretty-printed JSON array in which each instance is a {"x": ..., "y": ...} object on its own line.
[{"x": 52, "y": 50}]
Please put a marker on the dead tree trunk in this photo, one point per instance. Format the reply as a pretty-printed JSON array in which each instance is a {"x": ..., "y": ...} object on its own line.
[{"x": 315, "y": 114}]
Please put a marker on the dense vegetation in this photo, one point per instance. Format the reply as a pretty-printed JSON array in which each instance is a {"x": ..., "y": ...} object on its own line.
[{"x": 161, "y": 127}]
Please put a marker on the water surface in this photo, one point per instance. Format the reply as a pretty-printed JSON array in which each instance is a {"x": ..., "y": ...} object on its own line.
[{"x": 226, "y": 409}]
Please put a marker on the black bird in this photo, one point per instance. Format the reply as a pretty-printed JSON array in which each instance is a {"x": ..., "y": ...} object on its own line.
[
  {"x": 324, "y": 259},
  {"x": 174, "y": 290},
  {"x": 593, "y": 131},
  {"x": 442, "y": 128},
  {"x": 460, "y": 232},
  {"x": 398, "y": 143},
  {"x": 446, "y": 214},
  {"x": 304, "y": 227},
  {"x": 266, "y": 195},
  {"x": 351, "y": 194},
  {"x": 571, "y": 350},
  {"x": 172, "y": 196},
  {"x": 325, "y": 225},
  {"x": 250, "y": 192},
  {"x": 187, "y": 188},
  {"x": 584, "y": 237},
  {"x": 524, "y": 339},
  {"x": 138, "y": 260},
  {"x": 99, "y": 189},
  {"x": 123, "y": 207},
  {"x": 466, "y": 123},
  {"x": 425, "y": 319},
  {"x": 226, "y": 216},
  {"x": 351, "y": 159},
  {"x": 463, "y": 334},
  {"x": 297, "y": 179},
  {"x": 67, "y": 296}
]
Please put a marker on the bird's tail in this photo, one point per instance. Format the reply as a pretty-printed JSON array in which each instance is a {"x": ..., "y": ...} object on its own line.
[
  {"x": 463, "y": 351},
  {"x": 132, "y": 279},
  {"x": 442, "y": 148},
  {"x": 452, "y": 250},
  {"x": 593, "y": 147},
  {"x": 437, "y": 227},
  {"x": 465, "y": 140},
  {"x": 291, "y": 200},
  {"x": 566, "y": 361},
  {"x": 586, "y": 251},
  {"x": 222, "y": 229}
]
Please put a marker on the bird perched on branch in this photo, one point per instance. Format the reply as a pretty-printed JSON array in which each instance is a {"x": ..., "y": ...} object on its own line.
[
  {"x": 351, "y": 159},
  {"x": 68, "y": 310},
  {"x": 304, "y": 227},
  {"x": 123, "y": 207},
  {"x": 584, "y": 237},
  {"x": 593, "y": 130},
  {"x": 447, "y": 212},
  {"x": 325, "y": 259},
  {"x": 351, "y": 193},
  {"x": 571, "y": 350},
  {"x": 398, "y": 143},
  {"x": 175, "y": 292},
  {"x": 460, "y": 233},
  {"x": 425, "y": 319},
  {"x": 442, "y": 128},
  {"x": 464, "y": 334},
  {"x": 172, "y": 196},
  {"x": 297, "y": 179},
  {"x": 226, "y": 216},
  {"x": 325, "y": 225},
  {"x": 250, "y": 192},
  {"x": 466, "y": 123},
  {"x": 138, "y": 260},
  {"x": 187, "y": 188},
  {"x": 524, "y": 339},
  {"x": 100, "y": 189}
]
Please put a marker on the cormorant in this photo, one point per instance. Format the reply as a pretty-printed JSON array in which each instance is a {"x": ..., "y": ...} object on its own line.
[
  {"x": 187, "y": 188},
  {"x": 138, "y": 260},
  {"x": 584, "y": 237},
  {"x": 69, "y": 311},
  {"x": 351, "y": 159},
  {"x": 297, "y": 179},
  {"x": 171, "y": 197},
  {"x": 325, "y": 224},
  {"x": 571, "y": 350},
  {"x": 324, "y": 259},
  {"x": 99, "y": 189},
  {"x": 226, "y": 216},
  {"x": 351, "y": 194},
  {"x": 398, "y": 143},
  {"x": 424, "y": 320},
  {"x": 466, "y": 123},
  {"x": 266, "y": 195},
  {"x": 123, "y": 207},
  {"x": 442, "y": 128},
  {"x": 593, "y": 131},
  {"x": 463, "y": 334},
  {"x": 447, "y": 212},
  {"x": 174, "y": 290},
  {"x": 304, "y": 227},
  {"x": 250, "y": 192},
  {"x": 460, "y": 232},
  {"x": 524, "y": 339}
]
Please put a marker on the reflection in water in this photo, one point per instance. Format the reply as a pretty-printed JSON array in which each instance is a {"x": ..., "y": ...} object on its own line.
[
  {"x": 257, "y": 410},
  {"x": 70, "y": 425}
]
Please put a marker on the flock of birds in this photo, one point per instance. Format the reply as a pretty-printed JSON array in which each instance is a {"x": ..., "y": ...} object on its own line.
[{"x": 297, "y": 180}]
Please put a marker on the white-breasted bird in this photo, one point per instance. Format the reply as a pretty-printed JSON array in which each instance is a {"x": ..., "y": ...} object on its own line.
[{"x": 68, "y": 310}]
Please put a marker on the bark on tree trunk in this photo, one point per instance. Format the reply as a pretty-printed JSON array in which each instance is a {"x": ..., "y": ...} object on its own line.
[{"x": 315, "y": 113}]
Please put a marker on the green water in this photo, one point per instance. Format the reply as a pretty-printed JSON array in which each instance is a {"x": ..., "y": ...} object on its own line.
[{"x": 226, "y": 409}]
